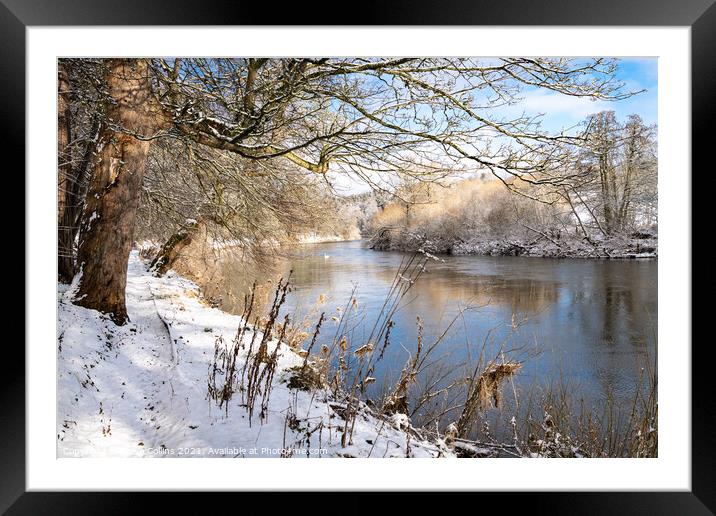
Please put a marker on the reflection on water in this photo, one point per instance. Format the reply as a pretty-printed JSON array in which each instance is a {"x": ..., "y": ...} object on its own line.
[{"x": 589, "y": 322}]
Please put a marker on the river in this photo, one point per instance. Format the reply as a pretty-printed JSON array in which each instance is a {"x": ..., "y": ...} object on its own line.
[{"x": 588, "y": 326}]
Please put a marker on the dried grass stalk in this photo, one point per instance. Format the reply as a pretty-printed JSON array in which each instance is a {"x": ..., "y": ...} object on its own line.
[
  {"x": 484, "y": 389},
  {"x": 488, "y": 388}
]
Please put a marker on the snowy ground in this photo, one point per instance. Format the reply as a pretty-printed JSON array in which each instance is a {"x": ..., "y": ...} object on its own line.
[
  {"x": 617, "y": 247},
  {"x": 316, "y": 238},
  {"x": 634, "y": 246},
  {"x": 141, "y": 389}
]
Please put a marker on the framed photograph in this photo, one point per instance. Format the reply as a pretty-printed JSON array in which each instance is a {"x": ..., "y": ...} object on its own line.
[{"x": 447, "y": 237}]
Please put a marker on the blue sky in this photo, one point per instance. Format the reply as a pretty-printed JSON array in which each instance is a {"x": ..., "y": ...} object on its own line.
[
  {"x": 561, "y": 111},
  {"x": 639, "y": 73}
]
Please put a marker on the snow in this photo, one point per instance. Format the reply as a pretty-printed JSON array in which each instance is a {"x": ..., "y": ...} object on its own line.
[
  {"x": 317, "y": 238},
  {"x": 615, "y": 247},
  {"x": 140, "y": 390},
  {"x": 70, "y": 291},
  {"x": 637, "y": 245}
]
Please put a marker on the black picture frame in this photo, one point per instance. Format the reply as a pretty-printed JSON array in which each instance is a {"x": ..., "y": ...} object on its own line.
[{"x": 17, "y": 15}]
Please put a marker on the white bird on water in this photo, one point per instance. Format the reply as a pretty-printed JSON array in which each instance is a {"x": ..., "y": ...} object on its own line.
[{"x": 325, "y": 256}]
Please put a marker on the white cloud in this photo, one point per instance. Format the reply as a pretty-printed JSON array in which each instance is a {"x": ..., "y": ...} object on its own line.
[{"x": 552, "y": 103}]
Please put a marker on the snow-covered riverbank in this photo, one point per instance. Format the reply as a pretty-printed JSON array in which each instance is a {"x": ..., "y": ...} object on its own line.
[
  {"x": 636, "y": 245},
  {"x": 316, "y": 238},
  {"x": 141, "y": 389}
]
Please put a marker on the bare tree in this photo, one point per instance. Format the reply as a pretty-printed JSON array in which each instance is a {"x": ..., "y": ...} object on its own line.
[
  {"x": 367, "y": 117},
  {"x": 79, "y": 116},
  {"x": 64, "y": 176},
  {"x": 621, "y": 160},
  {"x": 192, "y": 193}
]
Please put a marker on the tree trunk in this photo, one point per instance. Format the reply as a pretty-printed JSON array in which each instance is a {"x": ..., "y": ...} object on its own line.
[
  {"x": 65, "y": 181},
  {"x": 630, "y": 163},
  {"x": 73, "y": 162},
  {"x": 172, "y": 248},
  {"x": 114, "y": 192}
]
